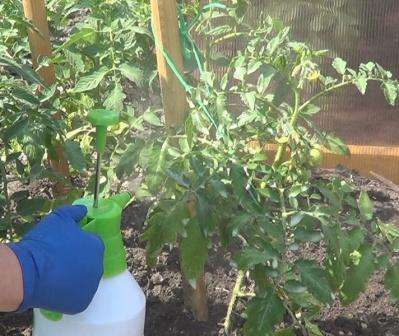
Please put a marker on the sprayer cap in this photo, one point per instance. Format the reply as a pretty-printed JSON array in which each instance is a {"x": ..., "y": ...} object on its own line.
[
  {"x": 101, "y": 119},
  {"x": 105, "y": 221}
]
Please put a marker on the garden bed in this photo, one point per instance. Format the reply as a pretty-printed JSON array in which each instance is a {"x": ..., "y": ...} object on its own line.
[{"x": 372, "y": 314}]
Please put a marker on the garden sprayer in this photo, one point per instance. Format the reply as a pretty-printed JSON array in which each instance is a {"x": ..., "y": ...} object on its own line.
[{"x": 118, "y": 307}]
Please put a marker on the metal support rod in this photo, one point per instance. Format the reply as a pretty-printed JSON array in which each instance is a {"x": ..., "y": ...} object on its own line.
[{"x": 97, "y": 180}]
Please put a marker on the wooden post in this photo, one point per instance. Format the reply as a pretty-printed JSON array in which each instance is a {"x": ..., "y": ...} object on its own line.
[
  {"x": 166, "y": 30},
  {"x": 40, "y": 45}
]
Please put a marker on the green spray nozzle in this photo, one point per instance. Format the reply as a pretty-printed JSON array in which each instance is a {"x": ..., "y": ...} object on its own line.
[{"x": 101, "y": 119}]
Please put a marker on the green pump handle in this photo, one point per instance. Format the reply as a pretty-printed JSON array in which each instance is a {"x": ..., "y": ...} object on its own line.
[
  {"x": 101, "y": 119},
  {"x": 104, "y": 221}
]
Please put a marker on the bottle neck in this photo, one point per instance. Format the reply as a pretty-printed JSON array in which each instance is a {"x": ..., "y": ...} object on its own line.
[{"x": 114, "y": 256}]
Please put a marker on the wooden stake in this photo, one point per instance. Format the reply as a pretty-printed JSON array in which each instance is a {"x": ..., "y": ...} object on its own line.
[
  {"x": 166, "y": 30},
  {"x": 40, "y": 46},
  {"x": 39, "y": 41}
]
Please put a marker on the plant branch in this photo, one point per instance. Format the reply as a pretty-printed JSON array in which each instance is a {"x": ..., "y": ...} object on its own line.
[
  {"x": 242, "y": 294},
  {"x": 284, "y": 300},
  {"x": 298, "y": 109},
  {"x": 227, "y": 37},
  {"x": 333, "y": 88},
  {"x": 7, "y": 216},
  {"x": 236, "y": 293},
  {"x": 293, "y": 122},
  {"x": 324, "y": 93},
  {"x": 295, "y": 321}
]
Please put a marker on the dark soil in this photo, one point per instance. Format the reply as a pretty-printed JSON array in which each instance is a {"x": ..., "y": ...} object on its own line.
[{"x": 371, "y": 315}]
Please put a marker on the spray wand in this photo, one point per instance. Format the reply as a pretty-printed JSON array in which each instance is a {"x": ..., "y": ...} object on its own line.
[
  {"x": 101, "y": 119},
  {"x": 119, "y": 303}
]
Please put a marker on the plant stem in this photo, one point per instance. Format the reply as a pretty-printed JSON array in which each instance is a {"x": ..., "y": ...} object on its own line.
[
  {"x": 227, "y": 37},
  {"x": 333, "y": 88},
  {"x": 8, "y": 218},
  {"x": 111, "y": 37},
  {"x": 283, "y": 214},
  {"x": 246, "y": 294},
  {"x": 293, "y": 122},
  {"x": 285, "y": 301},
  {"x": 208, "y": 47},
  {"x": 298, "y": 109},
  {"x": 324, "y": 93},
  {"x": 295, "y": 321},
  {"x": 236, "y": 293}
]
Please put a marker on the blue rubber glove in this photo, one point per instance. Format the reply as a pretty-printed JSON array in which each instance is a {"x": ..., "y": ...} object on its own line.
[{"x": 61, "y": 264}]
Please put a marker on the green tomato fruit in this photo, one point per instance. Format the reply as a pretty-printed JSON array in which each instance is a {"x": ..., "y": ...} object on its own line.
[{"x": 316, "y": 157}]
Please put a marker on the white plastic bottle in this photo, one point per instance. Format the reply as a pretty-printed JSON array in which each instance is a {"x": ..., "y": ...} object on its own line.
[{"x": 118, "y": 307}]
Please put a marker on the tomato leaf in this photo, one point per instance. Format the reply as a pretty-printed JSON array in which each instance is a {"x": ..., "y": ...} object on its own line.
[
  {"x": 74, "y": 155},
  {"x": 251, "y": 257},
  {"x": 150, "y": 117},
  {"x": 361, "y": 84},
  {"x": 391, "y": 280},
  {"x": 315, "y": 279},
  {"x": 91, "y": 81},
  {"x": 366, "y": 205},
  {"x": 390, "y": 90},
  {"x": 336, "y": 145},
  {"x": 263, "y": 314},
  {"x": 194, "y": 252},
  {"x": 115, "y": 98},
  {"x": 340, "y": 65},
  {"x": 358, "y": 275},
  {"x": 132, "y": 73}
]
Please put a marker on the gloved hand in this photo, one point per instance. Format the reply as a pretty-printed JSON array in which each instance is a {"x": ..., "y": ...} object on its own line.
[{"x": 61, "y": 264}]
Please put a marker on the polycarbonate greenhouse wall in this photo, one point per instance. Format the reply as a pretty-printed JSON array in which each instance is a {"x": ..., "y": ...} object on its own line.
[{"x": 358, "y": 31}]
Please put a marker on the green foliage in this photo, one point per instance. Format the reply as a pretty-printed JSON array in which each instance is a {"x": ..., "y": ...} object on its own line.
[
  {"x": 101, "y": 51},
  {"x": 211, "y": 180},
  {"x": 315, "y": 279},
  {"x": 194, "y": 252},
  {"x": 264, "y": 311},
  {"x": 268, "y": 205},
  {"x": 358, "y": 274},
  {"x": 24, "y": 129},
  {"x": 392, "y": 280},
  {"x": 366, "y": 206}
]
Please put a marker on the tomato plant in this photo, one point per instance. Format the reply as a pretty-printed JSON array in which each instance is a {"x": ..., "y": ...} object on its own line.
[
  {"x": 212, "y": 179},
  {"x": 215, "y": 179},
  {"x": 25, "y": 123},
  {"x": 107, "y": 54},
  {"x": 102, "y": 50}
]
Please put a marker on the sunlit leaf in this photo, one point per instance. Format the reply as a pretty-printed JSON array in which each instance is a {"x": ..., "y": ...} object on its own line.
[
  {"x": 132, "y": 73},
  {"x": 91, "y": 81},
  {"x": 366, "y": 205},
  {"x": 340, "y": 65}
]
